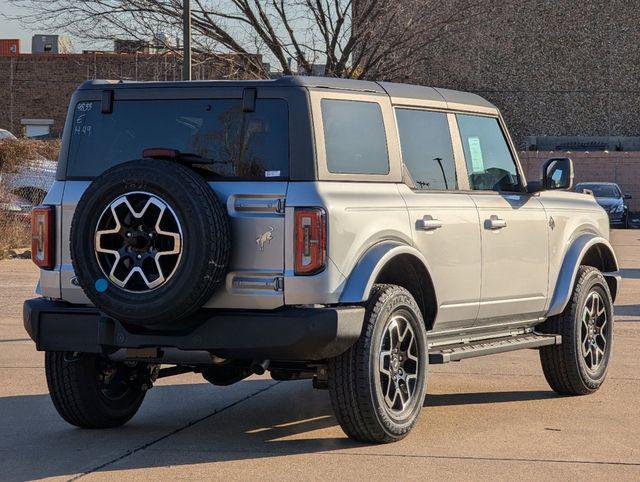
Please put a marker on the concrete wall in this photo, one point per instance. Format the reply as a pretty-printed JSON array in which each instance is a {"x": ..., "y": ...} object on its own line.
[
  {"x": 554, "y": 67},
  {"x": 40, "y": 86},
  {"x": 622, "y": 168}
]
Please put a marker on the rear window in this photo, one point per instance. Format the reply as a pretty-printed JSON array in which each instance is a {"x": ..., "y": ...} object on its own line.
[
  {"x": 600, "y": 190},
  {"x": 354, "y": 137},
  {"x": 236, "y": 144}
]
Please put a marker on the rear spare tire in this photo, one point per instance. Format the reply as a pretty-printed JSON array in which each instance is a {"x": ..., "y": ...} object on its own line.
[{"x": 150, "y": 242}]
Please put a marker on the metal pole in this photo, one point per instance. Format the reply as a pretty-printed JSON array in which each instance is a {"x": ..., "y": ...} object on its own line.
[{"x": 186, "y": 40}]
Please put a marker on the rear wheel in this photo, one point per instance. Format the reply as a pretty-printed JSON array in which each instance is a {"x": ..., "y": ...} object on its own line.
[
  {"x": 378, "y": 386},
  {"x": 579, "y": 365},
  {"x": 90, "y": 391}
]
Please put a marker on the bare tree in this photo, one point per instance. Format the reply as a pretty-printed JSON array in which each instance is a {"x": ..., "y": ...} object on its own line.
[{"x": 382, "y": 39}]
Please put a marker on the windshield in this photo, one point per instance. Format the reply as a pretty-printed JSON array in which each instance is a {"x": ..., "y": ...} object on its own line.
[
  {"x": 600, "y": 190},
  {"x": 237, "y": 144}
]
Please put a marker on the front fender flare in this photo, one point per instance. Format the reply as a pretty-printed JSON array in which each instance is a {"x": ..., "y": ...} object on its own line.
[
  {"x": 569, "y": 269},
  {"x": 367, "y": 269}
]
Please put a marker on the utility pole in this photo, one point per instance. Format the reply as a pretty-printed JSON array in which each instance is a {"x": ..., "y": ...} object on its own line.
[{"x": 186, "y": 40}]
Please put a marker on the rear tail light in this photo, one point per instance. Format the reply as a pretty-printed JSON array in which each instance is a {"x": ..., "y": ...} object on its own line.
[
  {"x": 311, "y": 240},
  {"x": 42, "y": 236}
]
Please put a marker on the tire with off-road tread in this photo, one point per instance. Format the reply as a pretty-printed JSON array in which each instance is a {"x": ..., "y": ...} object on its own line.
[
  {"x": 579, "y": 365},
  {"x": 150, "y": 242},
  {"x": 89, "y": 391},
  {"x": 377, "y": 387}
]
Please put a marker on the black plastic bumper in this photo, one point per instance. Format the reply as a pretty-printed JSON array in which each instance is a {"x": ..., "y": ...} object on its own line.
[{"x": 285, "y": 334}]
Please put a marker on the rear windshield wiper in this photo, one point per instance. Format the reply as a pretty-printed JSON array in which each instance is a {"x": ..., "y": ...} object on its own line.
[{"x": 175, "y": 155}]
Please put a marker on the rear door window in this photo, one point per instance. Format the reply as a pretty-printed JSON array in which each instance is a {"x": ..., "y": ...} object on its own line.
[
  {"x": 427, "y": 152},
  {"x": 354, "y": 137},
  {"x": 489, "y": 161},
  {"x": 235, "y": 144}
]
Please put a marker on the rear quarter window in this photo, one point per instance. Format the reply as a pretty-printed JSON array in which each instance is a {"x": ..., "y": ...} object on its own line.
[
  {"x": 237, "y": 144},
  {"x": 354, "y": 137}
]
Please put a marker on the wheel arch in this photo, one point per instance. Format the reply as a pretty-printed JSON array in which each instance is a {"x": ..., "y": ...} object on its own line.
[
  {"x": 396, "y": 263},
  {"x": 590, "y": 250}
]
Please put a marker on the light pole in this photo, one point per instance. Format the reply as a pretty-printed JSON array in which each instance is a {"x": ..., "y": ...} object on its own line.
[{"x": 186, "y": 40}]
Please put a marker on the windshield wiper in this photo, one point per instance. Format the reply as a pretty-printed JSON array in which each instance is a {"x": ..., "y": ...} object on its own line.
[{"x": 175, "y": 155}]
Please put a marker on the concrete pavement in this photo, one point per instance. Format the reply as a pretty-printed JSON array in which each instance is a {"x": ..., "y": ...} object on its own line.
[{"x": 491, "y": 417}]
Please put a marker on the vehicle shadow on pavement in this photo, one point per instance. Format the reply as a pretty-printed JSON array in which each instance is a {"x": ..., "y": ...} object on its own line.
[
  {"x": 626, "y": 310},
  {"x": 175, "y": 426},
  {"x": 439, "y": 400},
  {"x": 178, "y": 426},
  {"x": 630, "y": 273}
]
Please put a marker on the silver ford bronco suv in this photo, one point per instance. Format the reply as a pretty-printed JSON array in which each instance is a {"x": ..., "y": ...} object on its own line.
[{"x": 343, "y": 231}]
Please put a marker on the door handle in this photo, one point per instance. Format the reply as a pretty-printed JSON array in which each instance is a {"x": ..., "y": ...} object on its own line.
[
  {"x": 494, "y": 222},
  {"x": 428, "y": 223}
]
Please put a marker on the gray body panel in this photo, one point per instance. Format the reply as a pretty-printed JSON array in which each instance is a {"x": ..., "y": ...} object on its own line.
[{"x": 452, "y": 252}]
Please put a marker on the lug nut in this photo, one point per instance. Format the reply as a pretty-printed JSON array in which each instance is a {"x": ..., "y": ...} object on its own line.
[{"x": 139, "y": 256}]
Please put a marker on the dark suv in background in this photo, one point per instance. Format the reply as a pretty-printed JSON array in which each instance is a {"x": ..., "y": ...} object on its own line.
[{"x": 610, "y": 197}]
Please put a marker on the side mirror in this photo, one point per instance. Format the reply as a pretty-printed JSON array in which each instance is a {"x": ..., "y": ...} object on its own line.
[
  {"x": 557, "y": 173},
  {"x": 628, "y": 196}
]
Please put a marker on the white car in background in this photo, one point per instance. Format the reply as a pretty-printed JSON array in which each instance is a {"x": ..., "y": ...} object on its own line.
[
  {"x": 5, "y": 134},
  {"x": 32, "y": 181},
  {"x": 17, "y": 206}
]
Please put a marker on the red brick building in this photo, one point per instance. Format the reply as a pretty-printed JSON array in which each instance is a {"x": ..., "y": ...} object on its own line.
[{"x": 40, "y": 86}]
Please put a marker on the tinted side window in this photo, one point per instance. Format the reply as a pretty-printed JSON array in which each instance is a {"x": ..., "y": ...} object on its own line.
[
  {"x": 354, "y": 137},
  {"x": 426, "y": 148},
  {"x": 252, "y": 145},
  {"x": 489, "y": 162}
]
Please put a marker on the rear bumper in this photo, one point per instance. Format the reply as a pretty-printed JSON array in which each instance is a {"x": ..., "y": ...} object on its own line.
[{"x": 304, "y": 334}]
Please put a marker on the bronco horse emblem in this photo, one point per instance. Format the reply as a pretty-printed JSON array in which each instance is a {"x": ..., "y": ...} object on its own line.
[{"x": 264, "y": 238}]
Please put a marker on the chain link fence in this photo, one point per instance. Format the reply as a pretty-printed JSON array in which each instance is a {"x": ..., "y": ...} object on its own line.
[{"x": 27, "y": 170}]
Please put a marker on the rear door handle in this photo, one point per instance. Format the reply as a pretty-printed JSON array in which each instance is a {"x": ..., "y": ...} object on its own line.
[
  {"x": 494, "y": 222},
  {"x": 428, "y": 223}
]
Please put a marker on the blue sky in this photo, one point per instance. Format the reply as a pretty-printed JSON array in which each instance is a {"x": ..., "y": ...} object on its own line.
[
  {"x": 13, "y": 29},
  {"x": 10, "y": 29}
]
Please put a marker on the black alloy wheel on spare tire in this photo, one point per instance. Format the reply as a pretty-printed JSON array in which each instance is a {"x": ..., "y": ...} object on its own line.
[{"x": 150, "y": 242}]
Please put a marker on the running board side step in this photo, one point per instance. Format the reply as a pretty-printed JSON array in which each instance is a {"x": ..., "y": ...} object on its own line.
[{"x": 460, "y": 351}]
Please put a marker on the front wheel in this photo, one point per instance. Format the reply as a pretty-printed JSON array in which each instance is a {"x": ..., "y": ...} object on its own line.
[
  {"x": 579, "y": 365},
  {"x": 377, "y": 387},
  {"x": 90, "y": 391}
]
